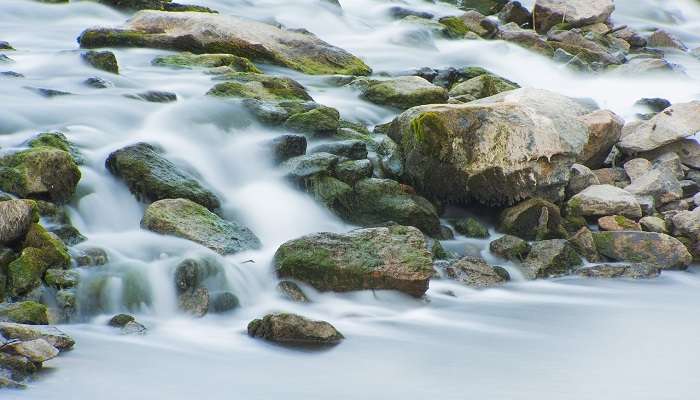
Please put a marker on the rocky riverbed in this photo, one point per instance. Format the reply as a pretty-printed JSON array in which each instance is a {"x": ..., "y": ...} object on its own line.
[{"x": 416, "y": 189}]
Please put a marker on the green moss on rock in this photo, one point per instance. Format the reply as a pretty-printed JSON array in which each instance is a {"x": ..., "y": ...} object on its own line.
[
  {"x": 25, "y": 312},
  {"x": 190, "y": 60},
  {"x": 103, "y": 60}
]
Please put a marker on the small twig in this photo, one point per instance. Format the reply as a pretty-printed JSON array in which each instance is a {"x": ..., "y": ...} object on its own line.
[{"x": 616, "y": 29}]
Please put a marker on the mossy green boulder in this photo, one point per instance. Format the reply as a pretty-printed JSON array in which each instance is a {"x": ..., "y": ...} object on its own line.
[
  {"x": 486, "y": 7},
  {"x": 485, "y": 85},
  {"x": 165, "y": 5},
  {"x": 402, "y": 92},
  {"x": 392, "y": 258},
  {"x": 25, "y": 312},
  {"x": 471, "y": 227},
  {"x": 260, "y": 87},
  {"x": 320, "y": 121},
  {"x": 532, "y": 219},
  {"x": 188, "y": 220},
  {"x": 550, "y": 258},
  {"x": 203, "y": 33},
  {"x": 104, "y": 60},
  {"x": 190, "y": 60},
  {"x": 294, "y": 330},
  {"x": 59, "y": 141},
  {"x": 151, "y": 177}
]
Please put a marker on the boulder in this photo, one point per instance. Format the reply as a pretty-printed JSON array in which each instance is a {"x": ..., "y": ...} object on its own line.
[
  {"x": 402, "y": 92},
  {"x": 24, "y": 312},
  {"x": 527, "y": 38},
  {"x": 637, "y": 167},
  {"x": 510, "y": 247},
  {"x": 104, "y": 60},
  {"x": 259, "y": 87},
  {"x": 287, "y": 146},
  {"x": 37, "y": 350},
  {"x": 515, "y": 12},
  {"x": 653, "y": 224},
  {"x": 550, "y": 258},
  {"x": 352, "y": 149},
  {"x": 604, "y": 130},
  {"x": 688, "y": 150},
  {"x": 663, "y": 39},
  {"x": 291, "y": 291},
  {"x": 475, "y": 272},
  {"x": 212, "y": 33},
  {"x": 687, "y": 223},
  {"x": 294, "y": 330},
  {"x": 194, "y": 302},
  {"x": 672, "y": 124},
  {"x": 188, "y": 220},
  {"x": 585, "y": 244},
  {"x": 16, "y": 217},
  {"x": 497, "y": 150},
  {"x": 471, "y": 227},
  {"x": 41, "y": 172},
  {"x": 52, "y": 335},
  {"x": 634, "y": 271},
  {"x": 189, "y": 60},
  {"x": 658, "y": 249},
  {"x": 617, "y": 223},
  {"x": 352, "y": 171},
  {"x": 574, "y": 13},
  {"x": 393, "y": 257},
  {"x": 602, "y": 200},
  {"x": 120, "y": 320},
  {"x": 581, "y": 178},
  {"x": 61, "y": 278},
  {"x": 152, "y": 177},
  {"x": 485, "y": 85},
  {"x": 532, "y": 219},
  {"x": 658, "y": 183},
  {"x": 222, "y": 302}
]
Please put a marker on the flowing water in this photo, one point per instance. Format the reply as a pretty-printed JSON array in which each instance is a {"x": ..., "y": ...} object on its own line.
[{"x": 566, "y": 338}]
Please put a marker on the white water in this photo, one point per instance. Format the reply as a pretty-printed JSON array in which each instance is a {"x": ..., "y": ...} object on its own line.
[{"x": 562, "y": 339}]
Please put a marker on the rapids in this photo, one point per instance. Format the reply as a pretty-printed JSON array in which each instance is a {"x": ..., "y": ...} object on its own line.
[{"x": 567, "y": 338}]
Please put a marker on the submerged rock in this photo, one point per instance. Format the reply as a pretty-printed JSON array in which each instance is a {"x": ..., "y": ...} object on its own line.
[
  {"x": 658, "y": 249},
  {"x": 104, "y": 60},
  {"x": 510, "y": 247},
  {"x": 188, "y": 220},
  {"x": 550, "y": 258},
  {"x": 287, "y": 146},
  {"x": 211, "y": 33},
  {"x": 634, "y": 271},
  {"x": 484, "y": 85},
  {"x": 475, "y": 272},
  {"x": 190, "y": 60},
  {"x": 24, "y": 312},
  {"x": 471, "y": 227},
  {"x": 194, "y": 302},
  {"x": 292, "y": 329},
  {"x": 260, "y": 87},
  {"x": 497, "y": 150},
  {"x": 154, "y": 96},
  {"x": 291, "y": 291},
  {"x": 151, "y": 177},
  {"x": 374, "y": 258}
]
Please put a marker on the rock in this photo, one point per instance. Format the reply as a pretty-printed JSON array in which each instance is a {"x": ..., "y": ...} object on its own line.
[
  {"x": 4, "y": 45},
  {"x": 393, "y": 257},
  {"x": 655, "y": 105},
  {"x": 471, "y": 227},
  {"x": 287, "y": 146},
  {"x": 194, "y": 302},
  {"x": 475, "y": 272},
  {"x": 353, "y": 171},
  {"x": 635, "y": 40},
  {"x": 191, "y": 273},
  {"x": 402, "y": 92},
  {"x": 637, "y": 167},
  {"x": 120, "y": 320},
  {"x": 133, "y": 328},
  {"x": 152, "y": 177},
  {"x": 90, "y": 257},
  {"x": 515, "y": 12},
  {"x": 585, "y": 245},
  {"x": 295, "y": 330},
  {"x": 58, "y": 141},
  {"x": 658, "y": 249},
  {"x": 688, "y": 150},
  {"x": 581, "y": 178},
  {"x": 604, "y": 130},
  {"x": 41, "y": 250},
  {"x": 617, "y": 223},
  {"x": 658, "y": 183},
  {"x": 352, "y": 149},
  {"x": 510, "y": 247},
  {"x": 24, "y": 312},
  {"x": 672, "y": 163},
  {"x": 37, "y": 350},
  {"x": 532, "y": 219},
  {"x": 469, "y": 24},
  {"x": 189, "y": 60},
  {"x": 292, "y": 292},
  {"x": 401, "y": 12},
  {"x": 104, "y": 60},
  {"x": 550, "y": 258},
  {"x": 526, "y": 38},
  {"x": 634, "y": 271},
  {"x": 222, "y": 302},
  {"x": 602, "y": 200},
  {"x": 653, "y": 224},
  {"x": 485, "y": 85},
  {"x": 259, "y": 87},
  {"x": 16, "y": 216},
  {"x": 211, "y": 33},
  {"x": 485, "y": 7},
  {"x": 575, "y": 13},
  {"x": 98, "y": 83},
  {"x": 306, "y": 166},
  {"x": 615, "y": 176},
  {"x": 16, "y": 367},
  {"x": 690, "y": 188},
  {"x": 52, "y": 335},
  {"x": 687, "y": 223},
  {"x": 672, "y": 124},
  {"x": 663, "y": 39},
  {"x": 133, "y": 5},
  {"x": 41, "y": 172},
  {"x": 61, "y": 278},
  {"x": 497, "y": 150},
  {"x": 188, "y": 220},
  {"x": 320, "y": 121},
  {"x": 10, "y": 384},
  {"x": 154, "y": 96},
  {"x": 11, "y": 74}
]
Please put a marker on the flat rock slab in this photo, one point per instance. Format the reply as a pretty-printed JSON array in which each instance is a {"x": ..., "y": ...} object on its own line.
[
  {"x": 670, "y": 125},
  {"x": 213, "y": 33},
  {"x": 658, "y": 249}
]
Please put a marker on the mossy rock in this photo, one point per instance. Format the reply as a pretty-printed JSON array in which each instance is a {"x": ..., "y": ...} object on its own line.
[
  {"x": 189, "y": 220},
  {"x": 164, "y": 5},
  {"x": 151, "y": 177},
  {"x": 510, "y": 247},
  {"x": 402, "y": 92},
  {"x": 25, "y": 312},
  {"x": 294, "y": 330},
  {"x": 486, "y": 7},
  {"x": 260, "y": 87},
  {"x": 551, "y": 258},
  {"x": 471, "y": 227},
  {"x": 103, "y": 60},
  {"x": 659, "y": 249},
  {"x": 61, "y": 278},
  {"x": 394, "y": 257},
  {"x": 532, "y": 219},
  {"x": 485, "y": 85},
  {"x": 190, "y": 60},
  {"x": 59, "y": 141},
  {"x": 322, "y": 121},
  {"x": 40, "y": 173}
]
